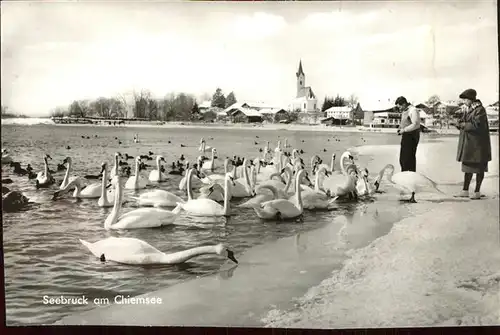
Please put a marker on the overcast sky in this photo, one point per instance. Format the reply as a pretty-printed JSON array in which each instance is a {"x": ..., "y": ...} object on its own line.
[{"x": 53, "y": 53}]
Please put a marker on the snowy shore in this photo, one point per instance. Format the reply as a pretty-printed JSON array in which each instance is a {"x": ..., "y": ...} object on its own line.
[{"x": 438, "y": 268}]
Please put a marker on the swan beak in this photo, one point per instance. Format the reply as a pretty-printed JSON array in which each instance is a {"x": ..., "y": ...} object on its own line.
[
  {"x": 230, "y": 255},
  {"x": 55, "y": 196},
  {"x": 350, "y": 157},
  {"x": 48, "y": 157},
  {"x": 376, "y": 184}
]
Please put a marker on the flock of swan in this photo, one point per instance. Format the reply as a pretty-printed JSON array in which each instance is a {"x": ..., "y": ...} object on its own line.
[{"x": 277, "y": 186}]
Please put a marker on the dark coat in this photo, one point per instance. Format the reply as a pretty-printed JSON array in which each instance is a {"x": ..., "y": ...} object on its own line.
[{"x": 474, "y": 144}]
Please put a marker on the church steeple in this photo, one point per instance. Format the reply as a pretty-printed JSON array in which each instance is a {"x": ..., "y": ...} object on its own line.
[
  {"x": 300, "y": 71},
  {"x": 301, "y": 80}
]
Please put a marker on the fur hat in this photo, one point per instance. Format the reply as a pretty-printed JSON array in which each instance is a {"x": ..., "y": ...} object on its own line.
[
  {"x": 468, "y": 94},
  {"x": 401, "y": 101}
]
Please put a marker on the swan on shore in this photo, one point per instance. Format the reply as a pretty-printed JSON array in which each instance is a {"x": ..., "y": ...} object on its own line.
[
  {"x": 206, "y": 207},
  {"x": 138, "y": 218},
  {"x": 132, "y": 251},
  {"x": 407, "y": 182}
]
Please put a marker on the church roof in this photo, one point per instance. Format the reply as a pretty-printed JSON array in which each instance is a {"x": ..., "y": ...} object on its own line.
[{"x": 306, "y": 92}]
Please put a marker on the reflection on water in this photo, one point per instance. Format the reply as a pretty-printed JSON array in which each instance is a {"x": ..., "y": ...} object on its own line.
[{"x": 42, "y": 254}]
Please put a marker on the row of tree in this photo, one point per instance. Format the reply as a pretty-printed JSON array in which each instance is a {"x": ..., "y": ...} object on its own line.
[
  {"x": 339, "y": 101},
  {"x": 172, "y": 107}
]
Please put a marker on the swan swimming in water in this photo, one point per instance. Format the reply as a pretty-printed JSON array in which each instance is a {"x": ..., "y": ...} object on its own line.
[
  {"x": 261, "y": 196},
  {"x": 317, "y": 199},
  {"x": 128, "y": 250},
  {"x": 103, "y": 199},
  {"x": 157, "y": 175},
  {"x": 210, "y": 164},
  {"x": 407, "y": 182},
  {"x": 67, "y": 179},
  {"x": 136, "y": 181},
  {"x": 6, "y": 158},
  {"x": 44, "y": 178},
  {"x": 138, "y": 218},
  {"x": 283, "y": 208},
  {"x": 206, "y": 207}
]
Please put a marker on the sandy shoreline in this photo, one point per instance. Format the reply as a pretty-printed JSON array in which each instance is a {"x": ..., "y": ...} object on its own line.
[{"x": 187, "y": 125}]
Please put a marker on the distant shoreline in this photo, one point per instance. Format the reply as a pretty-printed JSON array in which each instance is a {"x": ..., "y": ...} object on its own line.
[{"x": 189, "y": 125}]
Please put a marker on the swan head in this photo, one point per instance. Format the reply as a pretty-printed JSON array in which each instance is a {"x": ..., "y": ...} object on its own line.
[
  {"x": 160, "y": 158},
  {"x": 202, "y": 140},
  {"x": 334, "y": 156},
  {"x": 222, "y": 250},
  {"x": 47, "y": 156},
  {"x": 104, "y": 166},
  {"x": 67, "y": 160}
]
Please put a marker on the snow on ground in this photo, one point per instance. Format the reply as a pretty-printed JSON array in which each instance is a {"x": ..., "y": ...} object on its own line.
[{"x": 439, "y": 267}]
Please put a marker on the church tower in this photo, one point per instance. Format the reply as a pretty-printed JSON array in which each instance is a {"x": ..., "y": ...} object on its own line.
[{"x": 301, "y": 80}]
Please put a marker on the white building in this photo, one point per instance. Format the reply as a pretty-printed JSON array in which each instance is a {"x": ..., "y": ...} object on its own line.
[
  {"x": 305, "y": 100},
  {"x": 343, "y": 113}
]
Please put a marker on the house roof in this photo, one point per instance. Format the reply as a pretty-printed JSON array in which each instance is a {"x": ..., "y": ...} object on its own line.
[
  {"x": 205, "y": 104},
  {"x": 246, "y": 111},
  {"x": 271, "y": 110},
  {"x": 339, "y": 109}
]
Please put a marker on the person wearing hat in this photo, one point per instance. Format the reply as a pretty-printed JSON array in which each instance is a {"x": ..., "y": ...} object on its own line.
[
  {"x": 409, "y": 129},
  {"x": 474, "y": 146}
]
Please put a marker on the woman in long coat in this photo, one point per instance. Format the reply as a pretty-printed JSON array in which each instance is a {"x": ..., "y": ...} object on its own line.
[{"x": 474, "y": 146}]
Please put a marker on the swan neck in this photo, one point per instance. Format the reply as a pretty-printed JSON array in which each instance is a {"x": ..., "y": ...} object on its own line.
[
  {"x": 316, "y": 180},
  {"x": 189, "y": 189},
  {"x": 226, "y": 196},
  {"x": 332, "y": 164},
  {"x": 342, "y": 168},
  {"x": 288, "y": 180},
  {"x": 113, "y": 216},
  {"x": 182, "y": 256},
  {"x": 66, "y": 175},
  {"x": 136, "y": 177},
  {"x": 158, "y": 166},
  {"x": 247, "y": 179},
  {"x": 298, "y": 196},
  {"x": 103, "y": 184},
  {"x": 46, "y": 167}
]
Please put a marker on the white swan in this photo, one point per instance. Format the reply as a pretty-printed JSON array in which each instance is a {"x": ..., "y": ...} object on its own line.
[
  {"x": 343, "y": 183},
  {"x": 317, "y": 199},
  {"x": 210, "y": 164},
  {"x": 157, "y": 175},
  {"x": 128, "y": 250},
  {"x": 283, "y": 208},
  {"x": 262, "y": 196},
  {"x": 92, "y": 191},
  {"x": 218, "y": 177},
  {"x": 67, "y": 179},
  {"x": 197, "y": 177},
  {"x": 136, "y": 181},
  {"x": 44, "y": 178},
  {"x": 407, "y": 182},
  {"x": 203, "y": 146},
  {"x": 6, "y": 158},
  {"x": 363, "y": 186},
  {"x": 158, "y": 198},
  {"x": 114, "y": 170},
  {"x": 214, "y": 191},
  {"x": 138, "y": 218},
  {"x": 103, "y": 199},
  {"x": 242, "y": 187},
  {"x": 206, "y": 207}
]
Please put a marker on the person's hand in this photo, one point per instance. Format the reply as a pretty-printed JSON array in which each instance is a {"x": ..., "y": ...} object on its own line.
[
  {"x": 400, "y": 131},
  {"x": 460, "y": 125}
]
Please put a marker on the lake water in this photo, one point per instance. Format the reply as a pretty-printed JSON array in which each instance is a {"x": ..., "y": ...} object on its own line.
[{"x": 42, "y": 254}]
